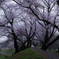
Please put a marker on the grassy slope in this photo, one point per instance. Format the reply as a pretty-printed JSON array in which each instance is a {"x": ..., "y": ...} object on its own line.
[{"x": 27, "y": 54}]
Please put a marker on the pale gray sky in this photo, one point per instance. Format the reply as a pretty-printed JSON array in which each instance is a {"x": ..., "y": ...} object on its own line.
[{"x": 3, "y": 39}]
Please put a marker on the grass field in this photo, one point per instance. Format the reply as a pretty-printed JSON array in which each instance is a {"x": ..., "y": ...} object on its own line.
[
  {"x": 4, "y": 54},
  {"x": 27, "y": 54}
]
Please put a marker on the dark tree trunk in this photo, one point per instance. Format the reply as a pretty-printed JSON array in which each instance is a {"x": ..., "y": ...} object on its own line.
[
  {"x": 28, "y": 43},
  {"x": 23, "y": 47},
  {"x": 46, "y": 40},
  {"x": 44, "y": 47},
  {"x": 15, "y": 45},
  {"x": 15, "y": 42},
  {"x": 53, "y": 41}
]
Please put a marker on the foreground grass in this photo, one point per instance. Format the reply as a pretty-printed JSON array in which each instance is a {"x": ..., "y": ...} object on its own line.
[
  {"x": 27, "y": 54},
  {"x": 4, "y": 54}
]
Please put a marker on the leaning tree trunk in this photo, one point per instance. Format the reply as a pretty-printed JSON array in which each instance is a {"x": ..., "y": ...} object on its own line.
[
  {"x": 44, "y": 47},
  {"x": 52, "y": 41}
]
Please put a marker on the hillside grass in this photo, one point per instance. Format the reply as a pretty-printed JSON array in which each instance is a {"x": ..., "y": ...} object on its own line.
[{"x": 27, "y": 54}]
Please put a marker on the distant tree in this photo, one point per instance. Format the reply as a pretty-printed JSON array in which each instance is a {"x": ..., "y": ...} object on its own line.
[{"x": 28, "y": 31}]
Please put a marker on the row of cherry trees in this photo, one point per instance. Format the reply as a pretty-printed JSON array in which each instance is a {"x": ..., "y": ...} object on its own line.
[
  {"x": 45, "y": 15},
  {"x": 30, "y": 21}
]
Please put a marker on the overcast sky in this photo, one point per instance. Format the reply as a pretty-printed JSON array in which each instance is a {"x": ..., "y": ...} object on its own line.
[{"x": 3, "y": 39}]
